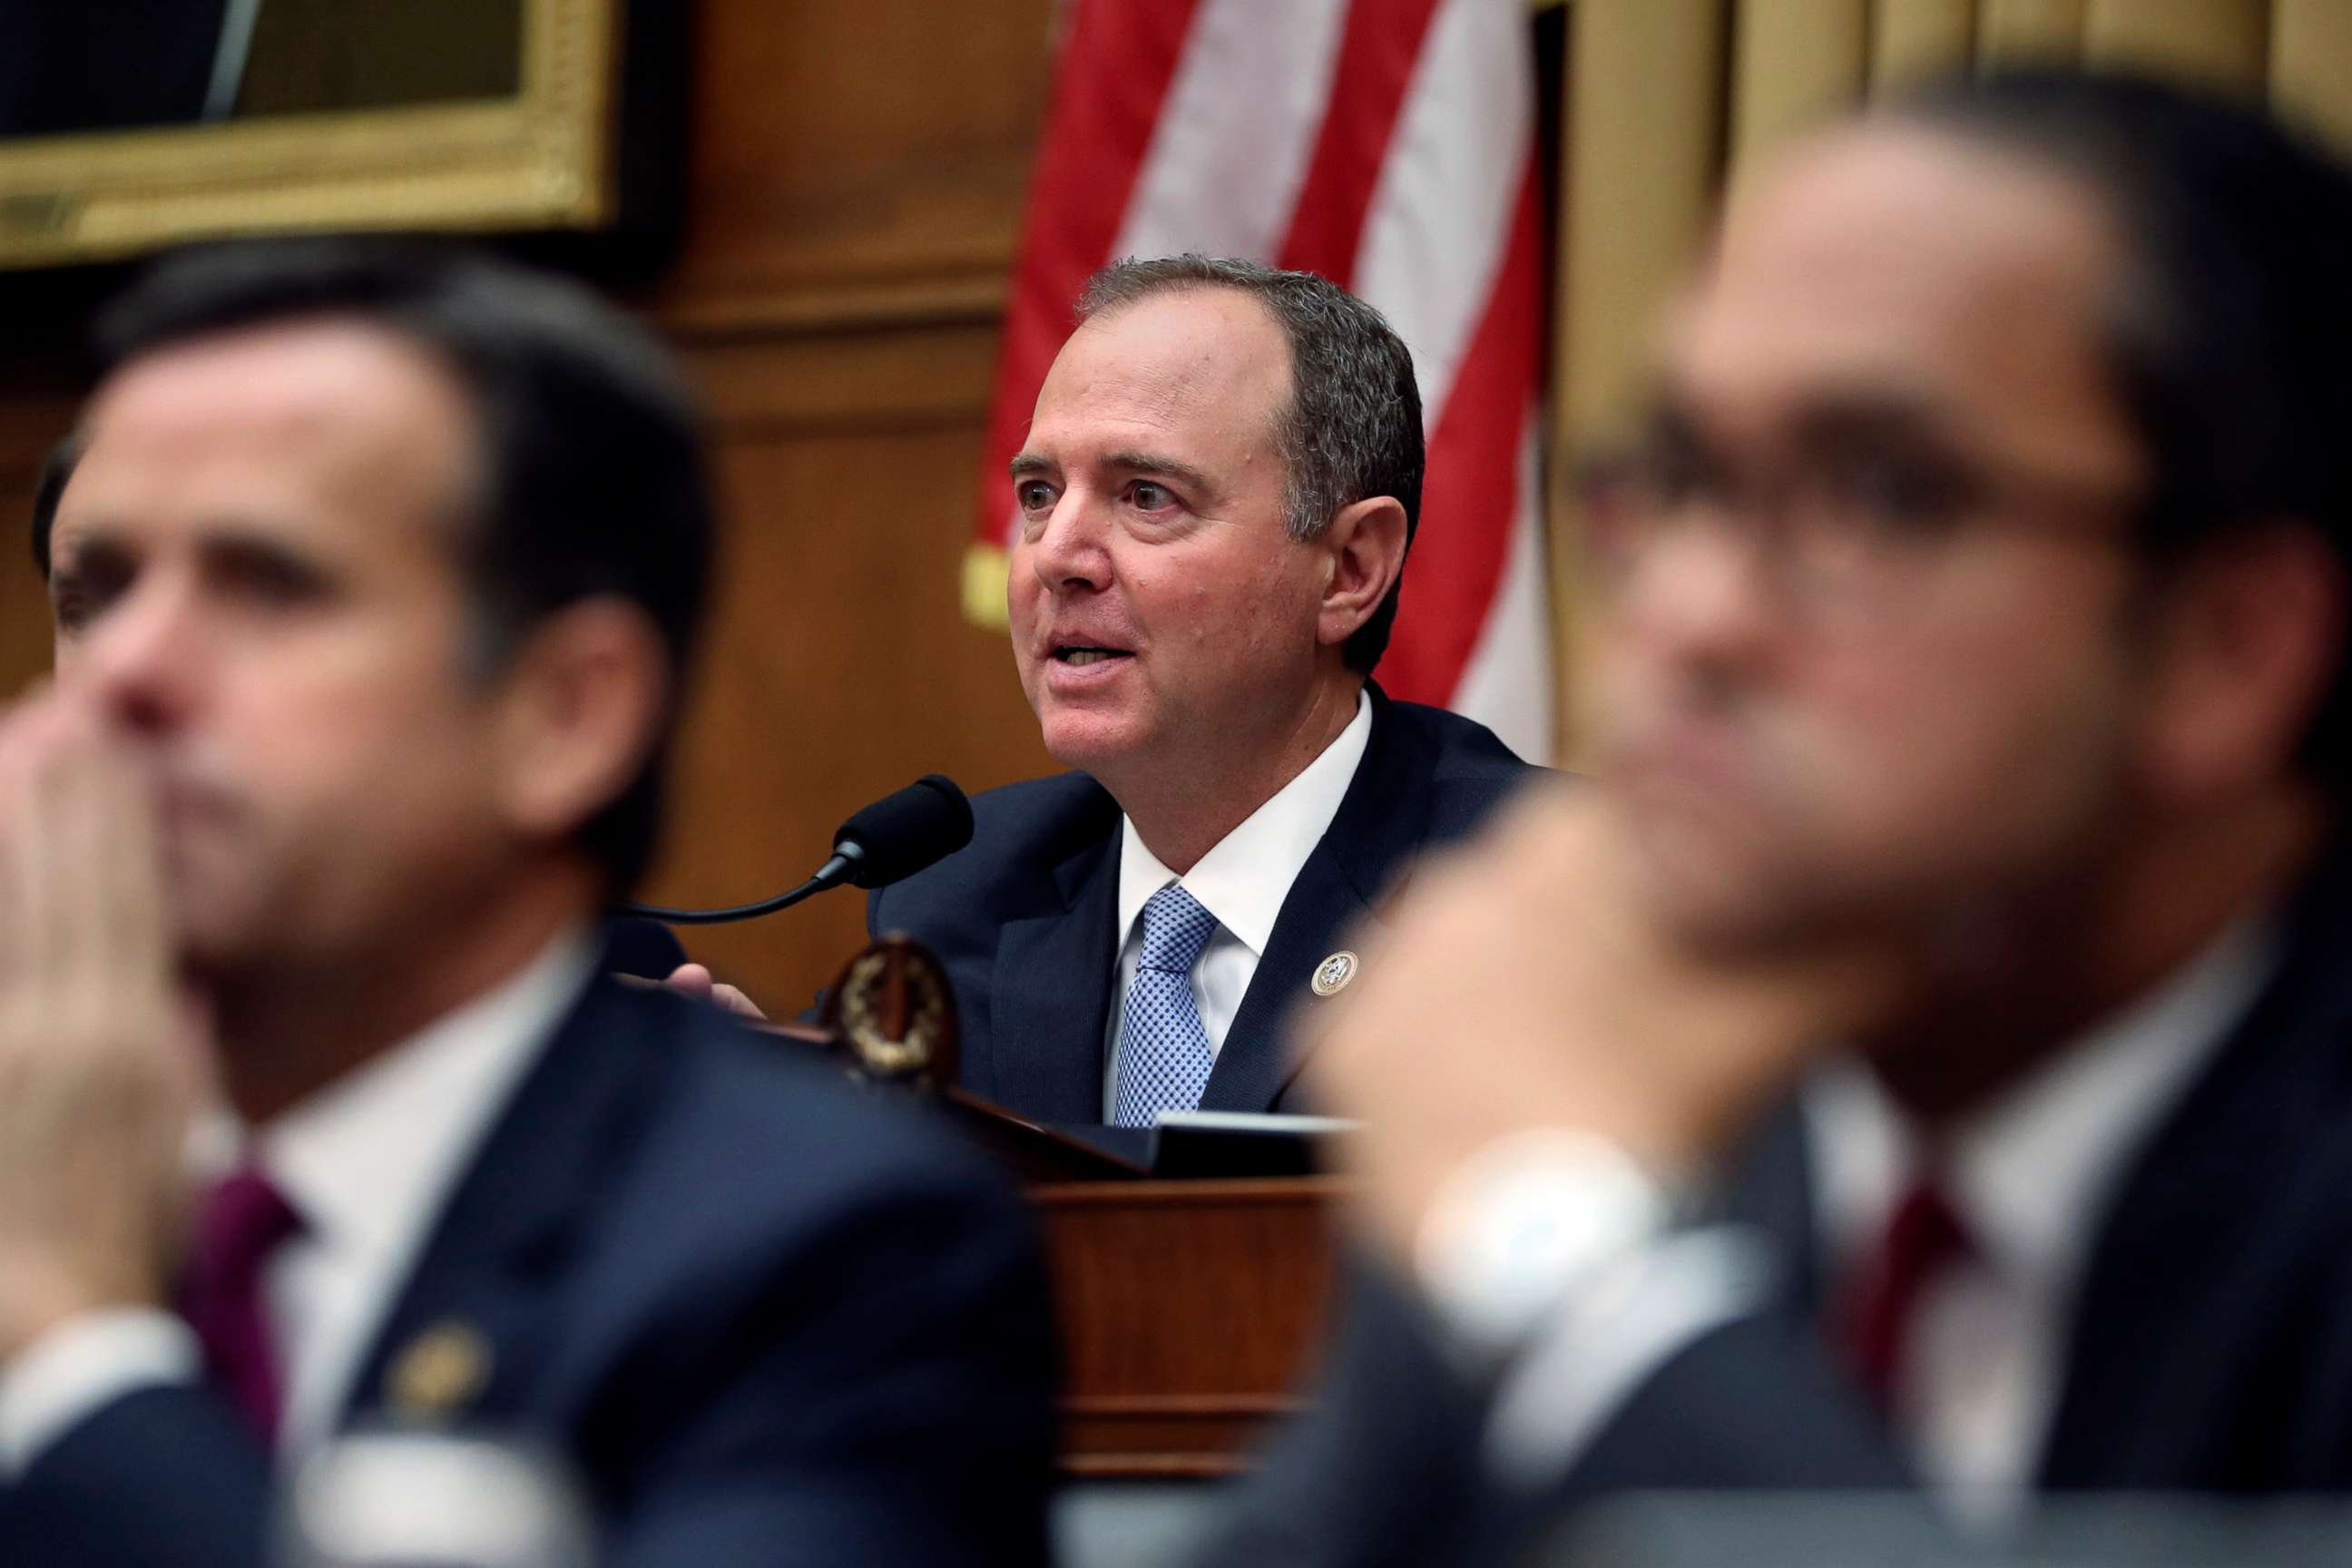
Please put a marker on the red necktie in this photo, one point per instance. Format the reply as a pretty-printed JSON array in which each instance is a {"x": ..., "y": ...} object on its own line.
[
  {"x": 241, "y": 1222},
  {"x": 1923, "y": 1238}
]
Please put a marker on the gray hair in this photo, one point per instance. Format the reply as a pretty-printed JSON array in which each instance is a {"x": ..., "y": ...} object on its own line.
[{"x": 1353, "y": 427}]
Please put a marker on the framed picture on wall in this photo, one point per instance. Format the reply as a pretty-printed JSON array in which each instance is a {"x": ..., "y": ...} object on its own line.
[{"x": 129, "y": 124}]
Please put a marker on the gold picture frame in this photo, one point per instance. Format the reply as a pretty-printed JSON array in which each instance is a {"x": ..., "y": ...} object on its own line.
[{"x": 545, "y": 159}]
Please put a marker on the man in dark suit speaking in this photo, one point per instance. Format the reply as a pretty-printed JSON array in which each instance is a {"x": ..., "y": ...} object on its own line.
[
  {"x": 1964, "y": 879},
  {"x": 1217, "y": 494},
  {"x": 374, "y": 574}
]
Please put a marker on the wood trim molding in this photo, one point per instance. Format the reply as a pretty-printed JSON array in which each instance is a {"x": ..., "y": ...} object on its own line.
[{"x": 835, "y": 305}]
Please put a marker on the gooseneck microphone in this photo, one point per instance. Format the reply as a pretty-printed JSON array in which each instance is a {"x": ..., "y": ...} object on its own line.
[{"x": 895, "y": 838}]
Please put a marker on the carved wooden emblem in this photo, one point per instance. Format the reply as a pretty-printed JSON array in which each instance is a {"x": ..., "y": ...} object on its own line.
[{"x": 895, "y": 1008}]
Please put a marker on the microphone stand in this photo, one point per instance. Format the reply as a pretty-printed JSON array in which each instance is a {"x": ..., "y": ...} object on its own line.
[{"x": 833, "y": 873}]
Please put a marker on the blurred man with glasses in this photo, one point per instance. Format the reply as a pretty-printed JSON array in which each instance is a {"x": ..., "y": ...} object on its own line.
[{"x": 1920, "y": 1056}]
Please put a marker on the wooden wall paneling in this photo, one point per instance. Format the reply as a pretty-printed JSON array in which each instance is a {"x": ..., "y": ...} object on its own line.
[
  {"x": 854, "y": 197},
  {"x": 2310, "y": 64},
  {"x": 24, "y": 607},
  {"x": 1641, "y": 134},
  {"x": 856, "y": 157},
  {"x": 1795, "y": 63},
  {"x": 1643, "y": 129},
  {"x": 1914, "y": 38},
  {"x": 2223, "y": 43},
  {"x": 811, "y": 381},
  {"x": 2015, "y": 32},
  {"x": 30, "y": 424},
  {"x": 838, "y": 668}
]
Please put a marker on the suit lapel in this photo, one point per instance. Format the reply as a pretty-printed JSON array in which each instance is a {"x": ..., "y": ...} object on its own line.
[
  {"x": 2185, "y": 1269},
  {"x": 466, "y": 1333},
  {"x": 1256, "y": 1063},
  {"x": 1382, "y": 820},
  {"x": 2172, "y": 1268},
  {"x": 1050, "y": 995},
  {"x": 2193, "y": 1264}
]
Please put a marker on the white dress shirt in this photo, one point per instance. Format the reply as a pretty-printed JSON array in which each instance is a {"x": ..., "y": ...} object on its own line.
[
  {"x": 2030, "y": 1178},
  {"x": 1242, "y": 882},
  {"x": 368, "y": 1163}
]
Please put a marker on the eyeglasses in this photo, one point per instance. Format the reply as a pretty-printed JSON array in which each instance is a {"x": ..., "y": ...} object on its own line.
[{"x": 1851, "y": 529}]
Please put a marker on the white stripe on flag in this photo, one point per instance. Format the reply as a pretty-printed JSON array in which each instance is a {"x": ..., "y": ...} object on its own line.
[
  {"x": 1507, "y": 684},
  {"x": 1231, "y": 149},
  {"x": 1442, "y": 213}
]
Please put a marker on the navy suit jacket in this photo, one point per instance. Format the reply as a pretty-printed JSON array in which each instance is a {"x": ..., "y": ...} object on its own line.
[
  {"x": 2211, "y": 1350},
  {"x": 1022, "y": 918},
  {"x": 770, "y": 1318}
]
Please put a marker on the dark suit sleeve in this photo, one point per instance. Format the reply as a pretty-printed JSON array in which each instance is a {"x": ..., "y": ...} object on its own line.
[
  {"x": 1388, "y": 1470},
  {"x": 886, "y": 1400},
  {"x": 1751, "y": 1404},
  {"x": 159, "y": 1475},
  {"x": 1384, "y": 1468}
]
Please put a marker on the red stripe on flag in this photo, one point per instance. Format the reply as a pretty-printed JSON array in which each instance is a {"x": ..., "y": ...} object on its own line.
[
  {"x": 1470, "y": 495},
  {"x": 1109, "y": 84},
  {"x": 1378, "y": 53}
]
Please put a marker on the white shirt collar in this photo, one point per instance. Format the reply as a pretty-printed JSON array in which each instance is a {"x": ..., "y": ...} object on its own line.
[
  {"x": 368, "y": 1160},
  {"x": 1243, "y": 880},
  {"x": 2031, "y": 1175}
]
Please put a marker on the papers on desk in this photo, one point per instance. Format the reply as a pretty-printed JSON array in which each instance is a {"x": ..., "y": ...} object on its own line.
[
  {"x": 1243, "y": 1144},
  {"x": 1187, "y": 1144}
]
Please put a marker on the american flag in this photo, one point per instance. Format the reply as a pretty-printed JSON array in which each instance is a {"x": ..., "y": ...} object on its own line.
[{"x": 1389, "y": 145}]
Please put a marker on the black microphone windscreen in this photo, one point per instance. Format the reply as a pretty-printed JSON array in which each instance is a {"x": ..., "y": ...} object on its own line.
[
  {"x": 641, "y": 948},
  {"x": 900, "y": 834}
]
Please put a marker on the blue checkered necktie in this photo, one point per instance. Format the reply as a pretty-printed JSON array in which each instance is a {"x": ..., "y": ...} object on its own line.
[{"x": 1163, "y": 1050}]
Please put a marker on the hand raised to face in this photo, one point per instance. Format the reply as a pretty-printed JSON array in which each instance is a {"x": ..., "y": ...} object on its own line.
[
  {"x": 1528, "y": 983},
  {"x": 101, "y": 1060}
]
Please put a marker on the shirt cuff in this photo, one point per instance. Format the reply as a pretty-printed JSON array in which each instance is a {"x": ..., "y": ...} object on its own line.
[
  {"x": 1523, "y": 1225},
  {"x": 1551, "y": 1263},
  {"x": 83, "y": 1365},
  {"x": 1603, "y": 1340}
]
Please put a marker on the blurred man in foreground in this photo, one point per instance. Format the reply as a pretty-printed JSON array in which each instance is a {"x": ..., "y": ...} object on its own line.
[
  {"x": 1970, "y": 694},
  {"x": 374, "y": 574},
  {"x": 1217, "y": 493}
]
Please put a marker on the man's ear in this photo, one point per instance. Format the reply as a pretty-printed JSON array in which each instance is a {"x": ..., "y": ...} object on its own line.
[
  {"x": 582, "y": 702},
  {"x": 2247, "y": 640},
  {"x": 1364, "y": 554}
]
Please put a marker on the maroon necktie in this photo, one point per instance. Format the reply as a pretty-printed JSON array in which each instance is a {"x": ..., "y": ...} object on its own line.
[
  {"x": 240, "y": 1224},
  {"x": 1923, "y": 1238}
]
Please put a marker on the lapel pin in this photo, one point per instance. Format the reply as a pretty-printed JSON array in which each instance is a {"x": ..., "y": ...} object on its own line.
[
  {"x": 440, "y": 1372},
  {"x": 1331, "y": 975}
]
